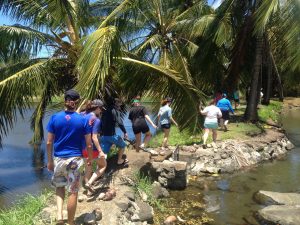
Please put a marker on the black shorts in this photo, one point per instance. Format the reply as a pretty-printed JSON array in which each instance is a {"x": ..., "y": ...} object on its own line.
[
  {"x": 140, "y": 126},
  {"x": 236, "y": 100},
  {"x": 166, "y": 126},
  {"x": 225, "y": 114}
]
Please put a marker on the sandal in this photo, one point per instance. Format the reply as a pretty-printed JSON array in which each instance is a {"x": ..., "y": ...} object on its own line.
[
  {"x": 90, "y": 189},
  {"x": 60, "y": 222},
  {"x": 125, "y": 161}
]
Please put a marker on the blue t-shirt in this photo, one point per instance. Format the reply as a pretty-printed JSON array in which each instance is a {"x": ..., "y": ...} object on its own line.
[
  {"x": 224, "y": 104},
  {"x": 165, "y": 113},
  {"x": 69, "y": 129},
  {"x": 95, "y": 124}
]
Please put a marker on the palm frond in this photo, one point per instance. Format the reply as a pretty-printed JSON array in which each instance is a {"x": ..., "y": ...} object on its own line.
[
  {"x": 96, "y": 59},
  {"x": 23, "y": 39},
  {"x": 264, "y": 13},
  {"x": 17, "y": 92}
]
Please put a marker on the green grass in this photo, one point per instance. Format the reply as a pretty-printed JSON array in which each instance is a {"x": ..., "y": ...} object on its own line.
[
  {"x": 271, "y": 111},
  {"x": 176, "y": 138},
  {"x": 144, "y": 184},
  {"x": 25, "y": 211}
]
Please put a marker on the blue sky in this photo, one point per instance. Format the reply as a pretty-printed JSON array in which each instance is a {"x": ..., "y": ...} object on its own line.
[{"x": 6, "y": 20}]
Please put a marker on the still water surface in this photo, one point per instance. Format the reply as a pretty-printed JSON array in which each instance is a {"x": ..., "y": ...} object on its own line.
[{"x": 229, "y": 198}]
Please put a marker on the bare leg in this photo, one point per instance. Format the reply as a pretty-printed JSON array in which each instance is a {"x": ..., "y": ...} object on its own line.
[
  {"x": 60, "y": 196},
  {"x": 88, "y": 172},
  {"x": 147, "y": 138},
  {"x": 71, "y": 207},
  {"x": 214, "y": 135},
  {"x": 222, "y": 123},
  {"x": 138, "y": 138},
  {"x": 166, "y": 137},
  {"x": 205, "y": 135},
  {"x": 101, "y": 163},
  {"x": 120, "y": 155},
  {"x": 225, "y": 124}
]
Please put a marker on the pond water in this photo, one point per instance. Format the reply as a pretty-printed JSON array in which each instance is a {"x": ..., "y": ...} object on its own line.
[
  {"x": 229, "y": 198},
  {"x": 22, "y": 167}
]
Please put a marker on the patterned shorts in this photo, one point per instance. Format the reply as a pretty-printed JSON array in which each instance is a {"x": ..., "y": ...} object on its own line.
[{"x": 67, "y": 173}]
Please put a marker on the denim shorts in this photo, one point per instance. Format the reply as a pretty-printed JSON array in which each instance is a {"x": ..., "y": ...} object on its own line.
[
  {"x": 211, "y": 125},
  {"x": 107, "y": 141},
  {"x": 67, "y": 173}
]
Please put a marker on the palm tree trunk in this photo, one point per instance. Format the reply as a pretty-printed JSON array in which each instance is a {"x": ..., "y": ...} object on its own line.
[
  {"x": 268, "y": 65},
  {"x": 277, "y": 76},
  {"x": 251, "y": 110}
]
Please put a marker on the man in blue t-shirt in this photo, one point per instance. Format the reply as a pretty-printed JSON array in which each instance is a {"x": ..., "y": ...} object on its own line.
[
  {"x": 66, "y": 130},
  {"x": 225, "y": 106}
]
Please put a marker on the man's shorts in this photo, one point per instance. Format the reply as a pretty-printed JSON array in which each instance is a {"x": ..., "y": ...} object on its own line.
[
  {"x": 166, "y": 126},
  {"x": 211, "y": 125},
  {"x": 86, "y": 155},
  {"x": 67, "y": 173},
  {"x": 107, "y": 141}
]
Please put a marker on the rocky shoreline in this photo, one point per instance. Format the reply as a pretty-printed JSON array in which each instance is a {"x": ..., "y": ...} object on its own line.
[{"x": 170, "y": 168}]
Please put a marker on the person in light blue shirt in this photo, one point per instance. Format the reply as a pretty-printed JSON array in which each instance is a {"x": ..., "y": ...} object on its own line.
[
  {"x": 225, "y": 106},
  {"x": 165, "y": 118}
]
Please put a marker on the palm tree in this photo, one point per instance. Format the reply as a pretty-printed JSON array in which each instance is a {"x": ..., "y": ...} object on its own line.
[{"x": 93, "y": 62}]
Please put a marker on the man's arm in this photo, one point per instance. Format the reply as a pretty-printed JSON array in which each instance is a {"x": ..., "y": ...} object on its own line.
[
  {"x": 88, "y": 141},
  {"x": 50, "y": 139},
  {"x": 120, "y": 123}
]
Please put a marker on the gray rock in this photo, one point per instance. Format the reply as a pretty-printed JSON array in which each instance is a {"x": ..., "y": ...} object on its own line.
[
  {"x": 224, "y": 155},
  {"x": 275, "y": 198},
  {"x": 280, "y": 214},
  {"x": 98, "y": 214},
  {"x": 135, "y": 218},
  {"x": 158, "y": 191},
  {"x": 123, "y": 205},
  {"x": 130, "y": 195},
  {"x": 146, "y": 212},
  {"x": 89, "y": 218},
  {"x": 289, "y": 145}
]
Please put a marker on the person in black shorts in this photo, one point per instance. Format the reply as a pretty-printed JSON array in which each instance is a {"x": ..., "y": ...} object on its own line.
[{"x": 138, "y": 116}]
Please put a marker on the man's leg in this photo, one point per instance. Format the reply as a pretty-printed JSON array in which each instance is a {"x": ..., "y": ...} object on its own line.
[
  {"x": 71, "y": 207},
  {"x": 120, "y": 155},
  {"x": 60, "y": 196}
]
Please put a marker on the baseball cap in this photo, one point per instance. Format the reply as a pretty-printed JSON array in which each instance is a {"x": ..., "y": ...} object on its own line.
[
  {"x": 224, "y": 95},
  {"x": 98, "y": 102},
  {"x": 168, "y": 99},
  {"x": 72, "y": 95}
]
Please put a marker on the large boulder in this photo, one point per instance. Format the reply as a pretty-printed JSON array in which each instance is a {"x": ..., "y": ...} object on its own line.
[
  {"x": 280, "y": 214},
  {"x": 275, "y": 198}
]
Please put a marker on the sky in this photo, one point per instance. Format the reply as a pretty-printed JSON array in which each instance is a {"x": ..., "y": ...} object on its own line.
[{"x": 7, "y": 21}]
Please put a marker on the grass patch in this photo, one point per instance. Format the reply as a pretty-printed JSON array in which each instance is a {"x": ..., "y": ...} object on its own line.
[
  {"x": 176, "y": 138},
  {"x": 143, "y": 184},
  {"x": 271, "y": 111},
  {"x": 25, "y": 211}
]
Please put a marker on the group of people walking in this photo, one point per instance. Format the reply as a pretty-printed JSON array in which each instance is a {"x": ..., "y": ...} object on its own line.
[
  {"x": 74, "y": 140},
  {"x": 216, "y": 113}
]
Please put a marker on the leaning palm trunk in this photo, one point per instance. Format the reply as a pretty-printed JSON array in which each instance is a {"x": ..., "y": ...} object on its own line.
[
  {"x": 277, "y": 76},
  {"x": 251, "y": 110},
  {"x": 269, "y": 73}
]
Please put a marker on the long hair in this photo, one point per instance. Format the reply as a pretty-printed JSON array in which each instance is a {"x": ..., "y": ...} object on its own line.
[{"x": 89, "y": 107}]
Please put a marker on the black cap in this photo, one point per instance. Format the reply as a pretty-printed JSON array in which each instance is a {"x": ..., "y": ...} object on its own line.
[
  {"x": 72, "y": 95},
  {"x": 168, "y": 99},
  {"x": 97, "y": 102}
]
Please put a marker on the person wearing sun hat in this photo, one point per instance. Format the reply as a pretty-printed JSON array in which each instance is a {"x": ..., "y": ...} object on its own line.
[
  {"x": 138, "y": 116},
  {"x": 92, "y": 113},
  {"x": 165, "y": 118},
  {"x": 225, "y": 106},
  {"x": 66, "y": 129}
]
